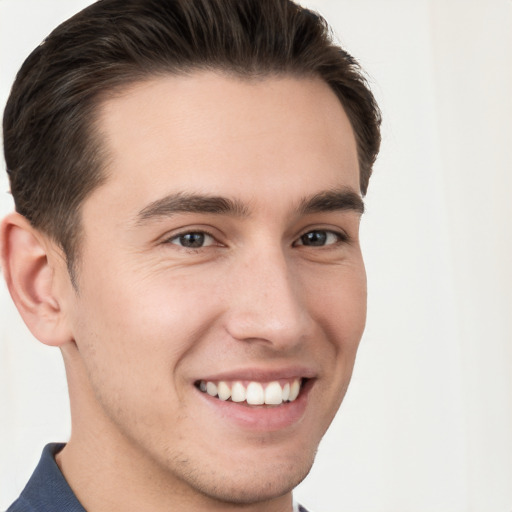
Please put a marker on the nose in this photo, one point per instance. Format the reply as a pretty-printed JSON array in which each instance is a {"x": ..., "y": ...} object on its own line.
[{"x": 267, "y": 303}]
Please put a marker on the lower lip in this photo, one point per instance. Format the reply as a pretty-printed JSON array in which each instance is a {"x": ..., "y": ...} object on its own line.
[{"x": 261, "y": 418}]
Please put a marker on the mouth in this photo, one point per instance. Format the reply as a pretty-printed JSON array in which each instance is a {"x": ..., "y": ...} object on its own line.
[{"x": 254, "y": 393}]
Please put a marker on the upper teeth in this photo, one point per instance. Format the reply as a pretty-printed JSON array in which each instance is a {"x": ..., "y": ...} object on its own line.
[{"x": 254, "y": 393}]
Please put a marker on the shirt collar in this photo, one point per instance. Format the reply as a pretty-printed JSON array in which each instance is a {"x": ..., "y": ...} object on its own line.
[{"x": 47, "y": 488}]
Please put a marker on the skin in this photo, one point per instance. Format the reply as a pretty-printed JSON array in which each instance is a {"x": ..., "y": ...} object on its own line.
[{"x": 152, "y": 317}]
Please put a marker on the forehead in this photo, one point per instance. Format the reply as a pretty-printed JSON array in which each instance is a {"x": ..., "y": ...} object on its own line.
[{"x": 223, "y": 135}]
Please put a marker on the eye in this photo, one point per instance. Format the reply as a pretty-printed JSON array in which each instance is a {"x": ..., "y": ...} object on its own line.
[
  {"x": 320, "y": 238},
  {"x": 193, "y": 240}
]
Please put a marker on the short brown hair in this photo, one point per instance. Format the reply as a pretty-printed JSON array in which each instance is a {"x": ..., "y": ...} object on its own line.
[{"x": 52, "y": 151}]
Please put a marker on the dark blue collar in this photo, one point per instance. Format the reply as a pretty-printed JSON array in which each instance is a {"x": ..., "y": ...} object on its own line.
[{"x": 47, "y": 488}]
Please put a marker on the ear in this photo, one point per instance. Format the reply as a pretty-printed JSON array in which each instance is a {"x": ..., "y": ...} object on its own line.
[{"x": 30, "y": 275}]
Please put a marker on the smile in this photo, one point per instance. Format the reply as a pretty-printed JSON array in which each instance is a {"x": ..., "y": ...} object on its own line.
[{"x": 253, "y": 392}]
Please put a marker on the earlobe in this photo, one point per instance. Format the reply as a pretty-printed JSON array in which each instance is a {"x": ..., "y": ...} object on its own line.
[{"x": 30, "y": 279}]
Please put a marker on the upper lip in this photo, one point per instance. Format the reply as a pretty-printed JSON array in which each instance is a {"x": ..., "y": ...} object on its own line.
[{"x": 262, "y": 374}]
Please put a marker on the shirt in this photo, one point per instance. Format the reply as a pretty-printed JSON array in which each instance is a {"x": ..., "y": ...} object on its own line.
[{"x": 48, "y": 491}]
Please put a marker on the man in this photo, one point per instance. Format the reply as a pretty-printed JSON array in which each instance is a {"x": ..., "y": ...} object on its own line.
[{"x": 188, "y": 180}]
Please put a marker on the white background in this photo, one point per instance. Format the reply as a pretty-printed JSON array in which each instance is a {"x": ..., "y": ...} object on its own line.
[{"x": 427, "y": 422}]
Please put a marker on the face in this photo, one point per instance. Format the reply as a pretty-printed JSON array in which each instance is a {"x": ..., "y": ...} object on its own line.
[{"x": 222, "y": 291}]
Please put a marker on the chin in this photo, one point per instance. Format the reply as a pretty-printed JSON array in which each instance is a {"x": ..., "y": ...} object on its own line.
[
  {"x": 256, "y": 488},
  {"x": 245, "y": 484}
]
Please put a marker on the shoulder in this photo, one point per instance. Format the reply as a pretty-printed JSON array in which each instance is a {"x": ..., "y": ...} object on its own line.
[
  {"x": 47, "y": 488},
  {"x": 21, "y": 505}
]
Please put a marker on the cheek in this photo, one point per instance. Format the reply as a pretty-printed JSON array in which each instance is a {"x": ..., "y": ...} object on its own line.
[
  {"x": 339, "y": 300},
  {"x": 338, "y": 303},
  {"x": 130, "y": 323}
]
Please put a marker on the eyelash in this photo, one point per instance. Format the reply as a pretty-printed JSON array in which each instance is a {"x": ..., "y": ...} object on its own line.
[{"x": 341, "y": 237}]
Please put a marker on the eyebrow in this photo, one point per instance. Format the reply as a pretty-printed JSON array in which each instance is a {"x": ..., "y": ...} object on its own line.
[
  {"x": 191, "y": 203},
  {"x": 325, "y": 201},
  {"x": 332, "y": 200}
]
